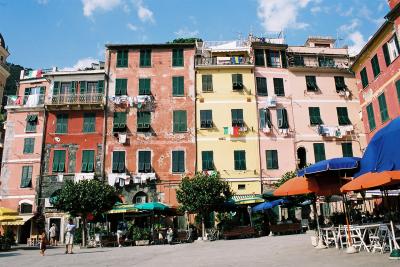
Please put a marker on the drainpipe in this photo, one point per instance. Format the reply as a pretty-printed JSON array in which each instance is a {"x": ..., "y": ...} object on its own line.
[
  {"x": 105, "y": 112},
  {"x": 195, "y": 113},
  {"x": 258, "y": 132},
  {"x": 39, "y": 207},
  {"x": 294, "y": 132}
]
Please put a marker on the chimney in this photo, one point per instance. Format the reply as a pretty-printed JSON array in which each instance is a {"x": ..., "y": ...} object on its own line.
[{"x": 393, "y": 3}]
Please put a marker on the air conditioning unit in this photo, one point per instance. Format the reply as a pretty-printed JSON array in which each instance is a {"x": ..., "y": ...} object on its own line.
[
  {"x": 271, "y": 101},
  {"x": 122, "y": 138},
  {"x": 47, "y": 203}
]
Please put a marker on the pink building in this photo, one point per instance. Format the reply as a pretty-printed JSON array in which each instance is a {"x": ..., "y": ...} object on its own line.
[
  {"x": 22, "y": 150},
  {"x": 308, "y": 105}
]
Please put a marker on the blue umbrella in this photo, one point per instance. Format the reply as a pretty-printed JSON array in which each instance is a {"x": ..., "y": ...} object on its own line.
[
  {"x": 336, "y": 164},
  {"x": 382, "y": 153},
  {"x": 269, "y": 205}
]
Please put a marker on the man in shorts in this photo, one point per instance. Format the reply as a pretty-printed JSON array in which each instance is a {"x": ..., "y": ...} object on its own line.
[
  {"x": 69, "y": 236},
  {"x": 53, "y": 235}
]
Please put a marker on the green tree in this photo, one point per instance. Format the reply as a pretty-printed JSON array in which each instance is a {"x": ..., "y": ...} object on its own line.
[
  {"x": 203, "y": 194},
  {"x": 286, "y": 177},
  {"x": 84, "y": 198},
  {"x": 185, "y": 41}
]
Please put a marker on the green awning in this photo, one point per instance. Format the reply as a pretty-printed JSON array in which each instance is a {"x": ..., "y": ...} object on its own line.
[
  {"x": 246, "y": 199},
  {"x": 152, "y": 206},
  {"x": 123, "y": 208}
]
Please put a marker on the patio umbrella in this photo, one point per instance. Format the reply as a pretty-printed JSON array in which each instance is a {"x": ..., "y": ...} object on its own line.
[
  {"x": 152, "y": 206},
  {"x": 9, "y": 218},
  {"x": 269, "y": 205},
  {"x": 7, "y": 211},
  {"x": 371, "y": 180},
  {"x": 346, "y": 166},
  {"x": 303, "y": 186},
  {"x": 123, "y": 208}
]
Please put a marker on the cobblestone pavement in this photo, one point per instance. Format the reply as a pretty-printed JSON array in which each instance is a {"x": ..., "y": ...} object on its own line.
[{"x": 292, "y": 250}]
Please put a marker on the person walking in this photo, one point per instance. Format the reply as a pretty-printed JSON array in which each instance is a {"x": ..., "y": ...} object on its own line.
[
  {"x": 43, "y": 243},
  {"x": 53, "y": 234},
  {"x": 69, "y": 236},
  {"x": 170, "y": 235},
  {"x": 121, "y": 231}
]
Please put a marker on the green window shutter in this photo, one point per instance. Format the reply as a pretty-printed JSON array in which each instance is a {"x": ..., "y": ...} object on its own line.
[
  {"x": 259, "y": 57},
  {"x": 282, "y": 118},
  {"x": 144, "y": 86},
  {"x": 371, "y": 117},
  {"x": 82, "y": 87},
  {"x": 55, "y": 161},
  {"x": 343, "y": 116},
  {"x": 237, "y": 117},
  {"x": 119, "y": 123},
  {"x": 383, "y": 108},
  {"x": 62, "y": 123},
  {"x": 144, "y": 161},
  {"x": 88, "y": 161},
  {"x": 122, "y": 58},
  {"x": 84, "y": 161},
  {"x": 206, "y": 119},
  {"x": 311, "y": 83},
  {"x": 347, "y": 150},
  {"x": 29, "y": 144},
  {"x": 262, "y": 86},
  {"x": 237, "y": 81},
  {"x": 364, "y": 77},
  {"x": 121, "y": 87},
  {"x": 59, "y": 161},
  {"x": 178, "y": 161},
  {"x": 284, "y": 59},
  {"x": 56, "y": 88},
  {"x": 375, "y": 66},
  {"x": 143, "y": 120},
  {"x": 89, "y": 122},
  {"x": 272, "y": 159},
  {"x": 262, "y": 114},
  {"x": 177, "y": 86},
  {"x": 315, "y": 116},
  {"x": 100, "y": 86},
  {"x": 279, "y": 87},
  {"x": 206, "y": 82},
  {"x": 319, "y": 152},
  {"x": 339, "y": 83},
  {"x": 145, "y": 58},
  {"x": 398, "y": 90},
  {"x": 386, "y": 54},
  {"x": 180, "y": 121},
  {"x": 207, "y": 159},
  {"x": 26, "y": 179},
  {"x": 240, "y": 159},
  {"x": 31, "y": 122},
  {"x": 73, "y": 87},
  {"x": 118, "y": 162},
  {"x": 177, "y": 57}
]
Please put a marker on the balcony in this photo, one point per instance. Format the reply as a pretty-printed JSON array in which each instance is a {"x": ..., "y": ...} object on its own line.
[
  {"x": 233, "y": 61},
  {"x": 335, "y": 131},
  {"x": 78, "y": 101},
  {"x": 26, "y": 101},
  {"x": 300, "y": 62}
]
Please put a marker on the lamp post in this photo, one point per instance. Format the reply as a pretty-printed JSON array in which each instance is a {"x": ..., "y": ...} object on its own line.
[{"x": 249, "y": 211}]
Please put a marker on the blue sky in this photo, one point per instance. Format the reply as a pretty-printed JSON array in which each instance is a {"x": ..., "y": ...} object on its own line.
[{"x": 68, "y": 33}]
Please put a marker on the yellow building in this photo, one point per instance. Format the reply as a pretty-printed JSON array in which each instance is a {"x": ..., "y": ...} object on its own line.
[{"x": 226, "y": 114}]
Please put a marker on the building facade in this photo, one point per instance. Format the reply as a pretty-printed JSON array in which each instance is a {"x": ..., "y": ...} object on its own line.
[
  {"x": 226, "y": 114},
  {"x": 21, "y": 162},
  {"x": 4, "y": 69},
  {"x": 150, "y": 131},
  {"x": 377, "y": 73}
]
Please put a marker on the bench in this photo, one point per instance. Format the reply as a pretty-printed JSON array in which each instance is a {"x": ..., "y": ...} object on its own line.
[
  {"x": 286, "y": 228},
  {"x": 239, "y": 232}
]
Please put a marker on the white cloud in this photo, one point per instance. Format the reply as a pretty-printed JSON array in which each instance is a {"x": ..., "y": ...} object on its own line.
[
  {"x": 350, "y": 27},
  {"x": 276, "y": 15},
  {"x": 185, "y": 32},
  {"x": 316, "y": 9},
  {"x": 358, "y": 42},
  {"x": 81, "y": 64},
  {"x": 89, "y": 6},
  {"x": 144, "y": 14},
  {"x": 132, "y": 27}
]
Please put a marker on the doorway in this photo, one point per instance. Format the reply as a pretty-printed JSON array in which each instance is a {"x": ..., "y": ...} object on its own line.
[
  {"x": 25, "y": 232},
  {"x": 301, "y": 158},
  {"x": 57, "y": 222}
]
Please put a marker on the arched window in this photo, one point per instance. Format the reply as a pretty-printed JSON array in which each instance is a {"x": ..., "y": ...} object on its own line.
[
  {"x": 301, "y": 158},
  {"x": 140, "y": 197},
  {"x": 25, "y": 208}
]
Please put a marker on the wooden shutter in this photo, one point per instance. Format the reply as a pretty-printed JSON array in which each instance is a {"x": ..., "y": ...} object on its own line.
[
  {"x": 398, "y": 90},
  {"x": 375, "y": 66},
  {"x": 83, "y": 87},
  {"x": 262, "y": 114},
  {"x": 315, "y": 115},
  {"x": 343, "y": 116},
  {"x": 59, "y": 161},
  {"x": 144, "y": 86},
  {"x": 73, "y": 87},
  {"x": 178, "y": 161},
  {"x": 383, "y": 107},
  {"x": 206, "y": 81},
  {"x": 56, "y": 88},
  {"x": 319, "y": 151},
  {"x": 284, "y": 59},
  {"x": 364, "y": 77},
  {"x": 121, "y": 161},
  {"x": 347, "y": 150},
  {"x": 262, "y": 86},
  {"x": 386, "y": 54},
  {"x": 279, "y": 87},
  {"x": 371, "y": 117},
  {"x": 26, "y": 179},
  {"x": 259, "y": 57},
  {"x": 100, "y": 86}
]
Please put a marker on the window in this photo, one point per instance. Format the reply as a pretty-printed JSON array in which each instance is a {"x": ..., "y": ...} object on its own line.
[
  {"x": 278, "y": 87},
  {"x": 64, "y": 88},
  {"x": 241, "y": 186},
  {"x": 59, "y": 161},
  {"x": 364, "y": 77},
  {"x": 122, "y": 58},
  {"x": 340, "y": 84},
  {"x": 265, "y": 118},
  {"x": 62, "y": 123},
  {"x": 207, "y": 83},
  {"x": 343, "y": 116},
  {"x": 144, "y": 86},
  {"x": 145, "y": 58},
  {"x": 398, "y": 90},
  {"x": 319, "y": 152},
  {"x": 371, "y": 117},
  {"x": 26, "y": 178},
  {"x": 326, "y": 62},
  {"x": 177, "y": 86},
  {"x": 207, "y": 160},
  {"x": 237, "y": 117},
  {"x": 237, "y": 81},
  {"x": 177, "y": 57},
  {"x": 383, "y": 108},
  {"x": 262, "y": 86},
  {"x": 144, "y": 161},
  {"x": 240, "y": 160},
  {"x": 298, "y": 60},
  {"x": 26, "y": 208},
  {"x": 29, "y": 144},
  {"x": 282, "y": 117},
  {"x": 259, "y": 57},
  {"x": 179, "y": 121},
  {"x": 178, "y": 161},
  {"x": 375, "y": 66},
  {"x": 143, "y": 121},
  {"x": 391, "y": 50},
  {"x": 120, "y": 86},
  {"x": 31, "y": 122},
  {"x": 272, "y": 159},
  {"x": 347, "y": 150},
  {"x": 315, "y": 116},
  {"x": 91, "y": 87},
  {"x": 89, "y": 122},
  {"x": 100, "y": 86},
  {"x": 118, "y": 165},
  {"x": 119, "y": 123},
  {"x": 273, "y": 59},
  {"x": 311, "y": 83},
  {"x": 206, "y": 119},
  {"x": 88, "y": 161}
]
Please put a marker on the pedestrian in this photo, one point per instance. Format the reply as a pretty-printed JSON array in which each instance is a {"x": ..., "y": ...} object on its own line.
[
  {"x": 121, "y": 231},
  {"x": 53, "y": 233},
  {"x": 170, "y": 235},
  {"x": 69, "y": 236},
  {"x": 43, "y": 243}
]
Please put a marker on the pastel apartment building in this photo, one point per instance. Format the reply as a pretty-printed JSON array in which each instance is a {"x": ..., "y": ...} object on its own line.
[
  {"x": 226, "y": 114},
  {"x": 150, "y": 130},
  {"x": 4, "y": 73}
]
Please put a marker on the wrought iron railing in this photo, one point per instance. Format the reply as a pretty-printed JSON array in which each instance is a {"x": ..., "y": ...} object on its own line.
[
  {"x": 221, "y": 61},
  {"x": 25, "y": 101},
  {"x": 315, "y": 63},
  {"x": 95, "y": 98}
]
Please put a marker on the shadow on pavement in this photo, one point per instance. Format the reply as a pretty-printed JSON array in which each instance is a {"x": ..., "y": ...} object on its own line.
[{"x": 8, "y": 254}]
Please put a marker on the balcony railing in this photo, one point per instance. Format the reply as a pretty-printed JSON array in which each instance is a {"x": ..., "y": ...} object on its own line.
[
  {"x": 315, "y": 63},
  {"x": 75, "y": 99},
  {"x": 223, "y": 61},
  {"x": 25, "y": 101}
]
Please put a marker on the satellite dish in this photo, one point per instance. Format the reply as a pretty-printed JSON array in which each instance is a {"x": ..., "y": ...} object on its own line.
[{"x": 57, "y": 139}]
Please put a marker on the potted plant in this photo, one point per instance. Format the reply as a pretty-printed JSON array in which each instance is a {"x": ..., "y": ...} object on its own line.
[{"x": 141, "y": 236}]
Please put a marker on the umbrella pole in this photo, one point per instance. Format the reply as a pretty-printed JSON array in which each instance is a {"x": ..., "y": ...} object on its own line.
[
  {"x": 319, "y": 236},
  {"x": 350, "y": 249}
]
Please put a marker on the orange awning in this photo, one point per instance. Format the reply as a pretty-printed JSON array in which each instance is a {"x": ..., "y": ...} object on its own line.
[
  {"x": 302, "y": 186},
  {"x": 372, "y": 180}
]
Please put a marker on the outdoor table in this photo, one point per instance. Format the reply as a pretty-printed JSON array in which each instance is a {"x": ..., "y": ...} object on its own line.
[
  {"x": 330, "y": 234},
  {"x": 362, "y": 230}
]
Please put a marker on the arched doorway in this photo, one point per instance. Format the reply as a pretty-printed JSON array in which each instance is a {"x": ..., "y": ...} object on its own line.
[
  {"x": 301, "y": 158},
  {"x": 140, "y": 197}
]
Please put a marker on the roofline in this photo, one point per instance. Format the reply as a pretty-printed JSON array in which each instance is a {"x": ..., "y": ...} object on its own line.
[
  {"x": 166, "y": 45},
  {"x": 78, "y": 72},
  {"x": 392, "y": 13},
  {"x": 265, "y": 44}
]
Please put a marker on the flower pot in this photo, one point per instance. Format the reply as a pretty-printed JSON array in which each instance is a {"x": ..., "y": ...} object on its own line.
[{"x": 142, "y": 242}]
